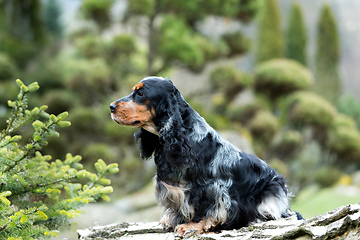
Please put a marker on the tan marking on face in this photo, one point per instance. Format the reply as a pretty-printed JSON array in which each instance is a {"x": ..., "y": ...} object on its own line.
[
  {"x": 132, "y": 114},
  {"x": 138, "y": 86}
]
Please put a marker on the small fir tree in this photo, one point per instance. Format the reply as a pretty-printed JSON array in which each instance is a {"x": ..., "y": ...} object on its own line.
[
  {"x": 270, "y": 38},
  {"x": 37, "y": 194},
  {"x": 296, "y": 37},
  {"x": 327, "y": 82}
]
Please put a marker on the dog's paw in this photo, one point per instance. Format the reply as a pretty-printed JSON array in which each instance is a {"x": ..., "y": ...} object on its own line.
[
  {"x": 166, "y": 223},
  {"x": 188, "y": 230}
]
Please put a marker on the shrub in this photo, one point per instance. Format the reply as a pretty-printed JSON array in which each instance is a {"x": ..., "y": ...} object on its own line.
[
  {"x": 328, "y": 82},
  {"x": 141, "y": 7},
  {"x": 350, "y": 106},
  {"x": 7, "y": 67},
  {"x": 98, "y": 11},
  {"x": 122, "y": 44},
  {"x": 264, "y": 126},
  {"x": 309, "y": 108},
  {"x": 237, "y": 43},
  {"x": 90, "y": 78},
  {"x": 89, "y": 46},
  {"x": 327, "y": 176},
  {"x": 229, "y": 81},
  {"x": 270, "y": 38},
  {"x": 38, "y": 194},
  {"x": 60, "y": 100},
  {"x": 176, "y": 35},
  {"x": 296, "y": 37},
  {"x": 279, "y": 77},
  {"x": 286, "y": 143},
  {"x": 344, "y": 137},
  {"x": 243, "y": 113}
]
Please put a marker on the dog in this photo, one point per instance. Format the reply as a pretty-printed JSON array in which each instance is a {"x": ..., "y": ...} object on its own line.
[{"x": 203, "y": 181}]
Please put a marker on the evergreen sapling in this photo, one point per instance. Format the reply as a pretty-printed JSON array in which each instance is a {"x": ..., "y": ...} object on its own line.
[{"x": 38, "y": 195}]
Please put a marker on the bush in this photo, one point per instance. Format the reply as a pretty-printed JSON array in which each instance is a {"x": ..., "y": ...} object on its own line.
[
  {"x": 264, "y": 126},
  {"x": 279, "y": 77},
  {"x": 327, "y": 176},
  {"x": 98, "y": 11},
  {"x": 122, "y": 44},
  {"x": 237, "y": 43},
  {"x": 37, "y": 194},
  {"x": 89, "y": 46},
  {"x": 229, "y": 81},
  {"x": 90, "y": 78},
  {"x": 7, "y": 67},
  {"x": 176, "y": 35},
  {"x": 344, "y": 137},
  {"x": 243, "y": 113},
  {"x": 309, "y": 108},
  {"x": 60, "y": 100},
  {"x": 141, "y": 7},
  {"x": 350, "y": 106},
  {"x": 286, "y": 143}
]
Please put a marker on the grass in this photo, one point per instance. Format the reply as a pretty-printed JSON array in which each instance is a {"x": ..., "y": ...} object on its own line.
[{"x": 313, "y": 201}]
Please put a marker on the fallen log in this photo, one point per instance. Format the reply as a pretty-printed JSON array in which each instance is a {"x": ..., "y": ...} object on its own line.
[{"x": 340, "y": 223}]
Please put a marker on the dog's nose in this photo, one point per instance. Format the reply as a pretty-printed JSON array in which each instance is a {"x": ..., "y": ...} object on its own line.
[{"x": 113, "y": 107}]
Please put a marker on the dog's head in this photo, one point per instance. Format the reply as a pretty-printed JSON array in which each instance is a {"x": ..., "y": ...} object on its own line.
[
  {"x": 157, "y": 106},
  {"x": 143, "y": 104}
]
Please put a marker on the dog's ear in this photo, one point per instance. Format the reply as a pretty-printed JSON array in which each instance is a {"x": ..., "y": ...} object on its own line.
[
  {"x": 147, "y": 141},
  {"x": 173, "y": 135}
]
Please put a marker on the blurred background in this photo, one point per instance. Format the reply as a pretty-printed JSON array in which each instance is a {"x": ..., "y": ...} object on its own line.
[{"x": 278, "y": 78}]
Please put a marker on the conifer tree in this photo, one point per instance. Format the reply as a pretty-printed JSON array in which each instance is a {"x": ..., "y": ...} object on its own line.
[
  {"x": 270, "y": 38},
  {"x": 296, "y": 37},
  {"x": 37, "y": 194},
  {"x": 327, "y": 79}
]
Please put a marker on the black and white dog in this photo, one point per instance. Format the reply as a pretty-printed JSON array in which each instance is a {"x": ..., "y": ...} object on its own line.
[{"x": 203, "y": 181}]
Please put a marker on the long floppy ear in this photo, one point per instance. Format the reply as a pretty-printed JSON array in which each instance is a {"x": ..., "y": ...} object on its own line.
[
  {"x": 148, "y": 143},
  {"x": 173, "y": 135}
]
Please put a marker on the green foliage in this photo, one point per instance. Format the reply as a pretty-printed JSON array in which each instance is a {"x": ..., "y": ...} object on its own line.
[
  {"x": 270, "y": 39},
  {"x": 89, "y": 46},
  {"x": 286, "y": 143},
  {"x": 243, "y": 113},
  {"x": 7, "y": 67},
  {"x": 52, "y": 14},
  {"x": 237, "y": 43},
  {"x": 229, "y": 81},
  {"x": 327, "y": 176},
  {"x": 176, "y": 35},
  {"x": 307, "y": 108},
  {"x": 90, "y": 78},
  {"x": 279, "y": 77},
  {"x": 263, "y": 126},
  {"x": 98, "y": 11},
  {"x": 296, "y": 36},
  {"x": 38, "y": 195},
  {"x": 122, "y": 44},
  {"x": 350, "y": 106},
  {"x": 344, "y": 138},
  {"x": 328, "y": 83},
  {"x": 141, "y": 7},
  {"x": 247, "y": 9},
  {"x": 22, "y": 30}
]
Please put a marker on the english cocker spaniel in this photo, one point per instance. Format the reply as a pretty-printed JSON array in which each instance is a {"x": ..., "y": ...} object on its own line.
[{"x": 203, "y": 181}]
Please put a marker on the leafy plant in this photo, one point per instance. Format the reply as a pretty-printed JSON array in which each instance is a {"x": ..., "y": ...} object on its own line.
[{"x": 38, "y": 195}]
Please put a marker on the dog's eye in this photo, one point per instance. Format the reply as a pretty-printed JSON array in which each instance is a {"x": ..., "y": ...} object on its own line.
[{"x": 140, "y": 93}]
